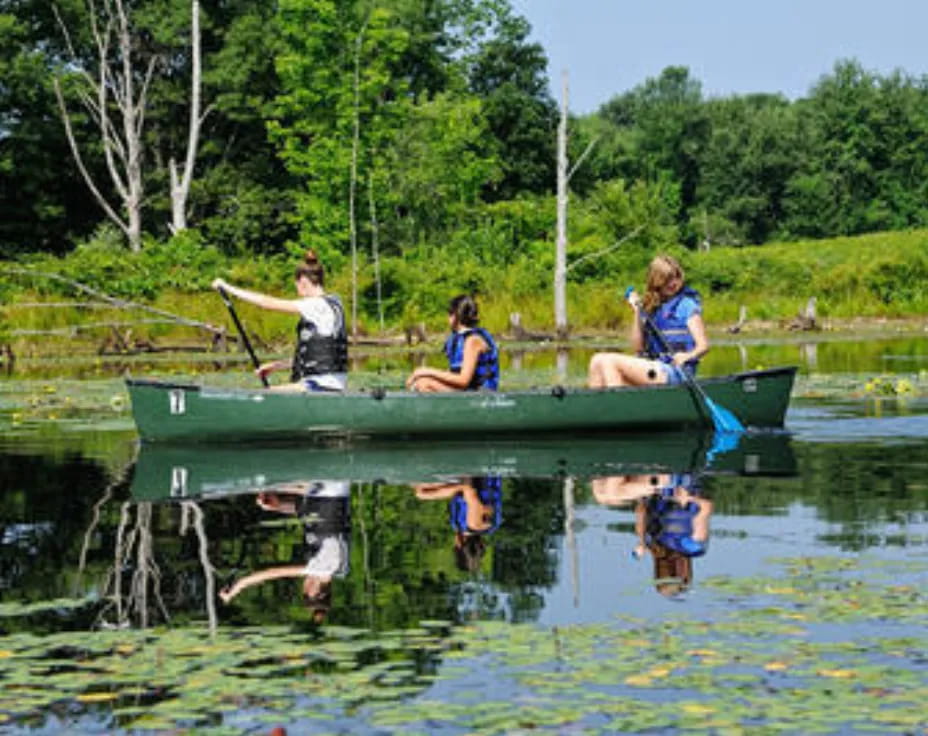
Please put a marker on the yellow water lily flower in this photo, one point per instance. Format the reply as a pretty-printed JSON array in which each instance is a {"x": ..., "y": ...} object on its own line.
[{"x": 838, "y": 674}]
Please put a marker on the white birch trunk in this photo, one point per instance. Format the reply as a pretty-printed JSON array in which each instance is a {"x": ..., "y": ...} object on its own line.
[
  {"x": 560, "y": 256},
  {"x": 180, "y": 184},
  {"x": 353, "y": 183},
  {"x": 112, "y": 86}
]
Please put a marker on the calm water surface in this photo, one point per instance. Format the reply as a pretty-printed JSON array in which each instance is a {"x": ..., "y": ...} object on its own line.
[{"x": 338, "y": 549}]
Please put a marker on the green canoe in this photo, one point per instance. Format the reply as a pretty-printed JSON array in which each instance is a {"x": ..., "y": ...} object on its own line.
[
  {"x": 180, "y": 412},
  {"x": 166, "y": 471}
]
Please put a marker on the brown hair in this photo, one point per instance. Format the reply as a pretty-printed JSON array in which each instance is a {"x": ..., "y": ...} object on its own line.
[
  {"x": 673, "y": 571},
  {"x": 311, "y": 268},
  {"x": 468, "y": 553},
  {"x": 464, "y": 308},
  {"x": 662, "y": 269}
]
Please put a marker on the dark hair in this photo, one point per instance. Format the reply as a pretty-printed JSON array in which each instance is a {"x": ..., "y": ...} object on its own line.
[
  {"x": 464, "y": 308},
  {"x": 469, "y": 553},
  {"x": 311, "y": 268}
]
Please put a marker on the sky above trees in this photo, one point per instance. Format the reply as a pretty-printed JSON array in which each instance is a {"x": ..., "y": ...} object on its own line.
[{"x": 731, "y": 46}]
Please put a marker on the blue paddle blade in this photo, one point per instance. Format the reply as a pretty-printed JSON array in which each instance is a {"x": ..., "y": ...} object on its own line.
[{"x": 723, "y": 419}]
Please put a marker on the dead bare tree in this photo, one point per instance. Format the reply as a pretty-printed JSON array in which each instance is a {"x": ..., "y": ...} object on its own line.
[
  {"x": 133, "y": 541},
  {"x": 563, "y": 180},
  {"x": 191, "y": 509},
  {"x": 560, "y": 254},
  {"x": 180, "y": 183},
  {"x": 114, "y": 92},
  {"x": 353, "y": 184}
]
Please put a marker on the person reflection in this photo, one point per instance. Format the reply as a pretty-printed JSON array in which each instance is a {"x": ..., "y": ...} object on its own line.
[
  {"x": 671, "y": 522},
  {"x": 323, "y": 508},
  {"x": 475, "y": 510}
]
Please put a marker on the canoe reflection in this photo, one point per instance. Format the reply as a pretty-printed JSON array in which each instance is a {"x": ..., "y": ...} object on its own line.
[{"x": 171, "y": 471}]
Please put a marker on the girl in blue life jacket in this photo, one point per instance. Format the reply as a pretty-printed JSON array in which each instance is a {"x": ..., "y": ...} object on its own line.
[
  {"x": 473, "y": 358},
  {"x": 673, "y": 525},
  {"x": 675, "y": 310},
  {"x": 475, "y": 510}
]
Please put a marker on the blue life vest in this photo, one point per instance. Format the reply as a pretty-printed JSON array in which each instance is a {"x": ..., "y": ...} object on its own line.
[
  {"x": 670, "y": 524},
  {"x": 490, "y": 491},
  {"x": 486, "y": 375},
  {"x": 673, "y": 326}
]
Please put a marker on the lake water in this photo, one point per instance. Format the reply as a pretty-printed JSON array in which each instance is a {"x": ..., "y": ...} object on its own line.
[{"x": 471, "y": 587}]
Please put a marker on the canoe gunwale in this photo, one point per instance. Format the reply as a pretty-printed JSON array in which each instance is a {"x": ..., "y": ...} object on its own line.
[{"x": 377, "y": 393}]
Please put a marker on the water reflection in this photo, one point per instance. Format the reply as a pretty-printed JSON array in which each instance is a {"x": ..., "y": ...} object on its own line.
[
  {"x": 671, "y": 522},
  {"x": 323, "y": 510},
  {"x": 301, "y": 503},
  {"x": 475, "y": 511}
]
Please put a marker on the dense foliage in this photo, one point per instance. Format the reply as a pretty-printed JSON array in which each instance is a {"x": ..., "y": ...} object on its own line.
[{"x": 418, "y": 136}]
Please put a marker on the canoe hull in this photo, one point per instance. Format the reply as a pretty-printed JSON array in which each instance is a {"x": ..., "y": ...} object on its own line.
[{"x": 177, "y": 412}]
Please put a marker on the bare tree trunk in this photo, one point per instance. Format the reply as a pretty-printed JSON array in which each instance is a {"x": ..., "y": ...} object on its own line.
[
  {"x": 112, "y": 87},
  {"x": 570, "y": 539},
  {"x": 375, "y": 247},
  {"x": 180, "y": 185},
  {"x": 353, "y": 184},
  {"x": 560, "y": 257}
]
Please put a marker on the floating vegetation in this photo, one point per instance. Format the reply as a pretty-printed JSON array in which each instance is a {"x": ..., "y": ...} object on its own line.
[{"x": 766, "y": 663}]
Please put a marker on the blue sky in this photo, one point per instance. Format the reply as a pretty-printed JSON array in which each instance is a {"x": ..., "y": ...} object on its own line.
[{"x": 731, "y": 46}]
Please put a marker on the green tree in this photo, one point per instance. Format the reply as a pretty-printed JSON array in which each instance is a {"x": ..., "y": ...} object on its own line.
[
  {"x": 44, "y": 202},
  {"x": 670, "y": 127},
  {"x": 753, "y": 149},
  {"x": 868, "y": 172},
  {"x": 508, "y": 74}
]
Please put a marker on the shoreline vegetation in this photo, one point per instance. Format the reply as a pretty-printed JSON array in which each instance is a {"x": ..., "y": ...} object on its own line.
[{"x": 105, "y": 301}]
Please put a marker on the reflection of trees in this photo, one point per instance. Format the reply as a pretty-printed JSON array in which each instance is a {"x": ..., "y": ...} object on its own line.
[
  {"x": 43, "y": 509},
  {"x": 859, "y": 487},
  {"x": 525, "y": 551},
  {"x": 132, "y": 588}
]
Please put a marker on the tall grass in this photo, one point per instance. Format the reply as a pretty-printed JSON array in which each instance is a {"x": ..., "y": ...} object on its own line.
[{"x": 877, "y": 275}]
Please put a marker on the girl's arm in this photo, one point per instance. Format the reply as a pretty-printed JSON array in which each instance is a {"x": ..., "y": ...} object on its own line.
[
  {"x": 437, "y": 491},
  {"x": 636, "y": 334},
  {"x": 640, "y": 527},
  {"x": 271, "y": 573},
  {"x": 265, "y": 301},
  {"x": 701, "y": 520},
  {"x": 474, "y": 345},
  {"x": 697, "y": 329}
]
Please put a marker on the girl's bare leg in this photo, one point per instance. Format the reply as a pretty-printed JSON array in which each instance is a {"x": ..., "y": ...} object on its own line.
[
  {"x": 429, "y": 385},
  {"x": 617, "y": 369}
]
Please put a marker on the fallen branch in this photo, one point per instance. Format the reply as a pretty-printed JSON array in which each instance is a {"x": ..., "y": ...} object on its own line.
[
  {"x": 603, "y": 252},
  {"x": 115, "y": 301}
]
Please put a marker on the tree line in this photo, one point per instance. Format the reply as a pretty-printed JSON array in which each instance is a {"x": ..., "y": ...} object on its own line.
[{"x": 415, "y": 131}]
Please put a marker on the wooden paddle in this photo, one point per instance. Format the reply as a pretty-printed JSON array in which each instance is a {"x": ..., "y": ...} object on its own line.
[
  {"x": 241, "y": 331},
  {"x": 722, "y": 419}
]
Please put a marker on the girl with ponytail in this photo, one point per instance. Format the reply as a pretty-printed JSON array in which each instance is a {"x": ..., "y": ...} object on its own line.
[{"x": 320, "y": 362}]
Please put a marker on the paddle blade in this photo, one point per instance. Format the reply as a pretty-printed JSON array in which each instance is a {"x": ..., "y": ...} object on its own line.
[{"x": 723, "y": 419}]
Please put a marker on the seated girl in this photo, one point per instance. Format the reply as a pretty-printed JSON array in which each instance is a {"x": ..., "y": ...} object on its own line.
[{"x": 473, "y": 358}]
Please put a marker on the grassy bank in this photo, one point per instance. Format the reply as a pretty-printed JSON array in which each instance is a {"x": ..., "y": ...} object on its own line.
[{"x": 877, "y": 276}]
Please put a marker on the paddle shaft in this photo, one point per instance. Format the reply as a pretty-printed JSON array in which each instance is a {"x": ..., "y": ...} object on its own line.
[
  {"x": 241, "y": 331},
  {"x": 703, "y": 401}
]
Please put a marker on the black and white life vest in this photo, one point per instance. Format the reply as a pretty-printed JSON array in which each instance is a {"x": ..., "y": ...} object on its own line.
[{"x": 317, "y": 354}]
